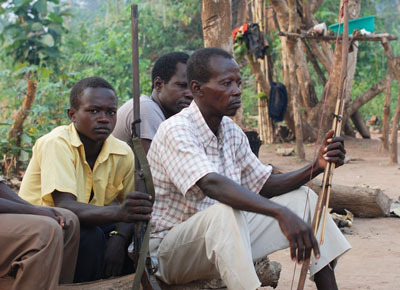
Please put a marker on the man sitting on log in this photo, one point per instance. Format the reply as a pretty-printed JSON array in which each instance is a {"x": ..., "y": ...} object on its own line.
[
  {"x": 170, "y": 94},
  {"x": 82, "y": 168},
  {"x": 218, "y": 208},
  {"x": 39, "y": 245}
]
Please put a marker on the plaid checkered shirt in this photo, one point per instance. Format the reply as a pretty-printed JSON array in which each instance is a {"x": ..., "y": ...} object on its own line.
[{"x": 183, "y": 151}]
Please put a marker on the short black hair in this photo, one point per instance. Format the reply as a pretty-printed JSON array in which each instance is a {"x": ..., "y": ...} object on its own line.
[
  {"x": 165, "y": 66},
  {"x": 198, "y": 65},
  {"x": 80, "y": 86}
]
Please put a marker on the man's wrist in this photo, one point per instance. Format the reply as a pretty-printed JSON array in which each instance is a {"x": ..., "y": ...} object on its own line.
[{"x": 117, "y": 233}]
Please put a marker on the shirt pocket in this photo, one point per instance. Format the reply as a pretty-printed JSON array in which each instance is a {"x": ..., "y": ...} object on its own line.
[{"x": 112, "y": 193}]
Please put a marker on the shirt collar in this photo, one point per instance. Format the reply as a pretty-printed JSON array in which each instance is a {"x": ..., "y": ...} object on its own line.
[
  {"x": 205, "y": 133},
  {"x": 110, "y": 146}
]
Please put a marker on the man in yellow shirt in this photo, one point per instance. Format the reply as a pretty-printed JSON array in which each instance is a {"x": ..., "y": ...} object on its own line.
[{"x": 81, "y": 167}]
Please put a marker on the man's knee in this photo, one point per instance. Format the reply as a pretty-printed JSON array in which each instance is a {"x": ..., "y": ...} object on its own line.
[
  {"x": 71, "y": 219},
  {"x": 221, "y": 215},
  {"x": 48, "y": 231}
]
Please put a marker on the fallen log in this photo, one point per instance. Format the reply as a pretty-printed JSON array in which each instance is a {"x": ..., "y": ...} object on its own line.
[
  {"x": 361, "y": 201},
  {"x": 268, "y": 272}
]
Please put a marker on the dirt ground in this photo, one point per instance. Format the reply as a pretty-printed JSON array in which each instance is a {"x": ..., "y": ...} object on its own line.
[{"x": 374, "y": 260}]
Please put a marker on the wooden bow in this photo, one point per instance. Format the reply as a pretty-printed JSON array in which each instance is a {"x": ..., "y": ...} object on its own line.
[{"x": 321, "y": 209}]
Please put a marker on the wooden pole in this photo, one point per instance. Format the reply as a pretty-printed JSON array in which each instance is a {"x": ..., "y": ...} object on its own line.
[
  {"x": 323, "y": 198},
  {"x": 386, "y": 109},
  {"x": 393, "y": 62},
  {"x": 294, "y": 88}
]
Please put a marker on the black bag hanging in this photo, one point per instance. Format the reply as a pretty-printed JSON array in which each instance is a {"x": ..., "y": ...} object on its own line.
[{"x": 277, "y": 103}]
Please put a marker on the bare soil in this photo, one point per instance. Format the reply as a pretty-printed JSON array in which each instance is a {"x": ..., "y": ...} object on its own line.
[{"x": 374, "y": 260}]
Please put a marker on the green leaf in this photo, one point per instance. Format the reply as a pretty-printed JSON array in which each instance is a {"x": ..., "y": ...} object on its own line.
[
  {"x": 41, "y": 7},
  {"x": 23, "y": 156},
  {"x": 57, "y": 28},
  {"x": 37, "y": 26},
  {"x": 19, "y": 3},
  {"x": 47, "y": 39},
  {"x": 26, "y": 139}
]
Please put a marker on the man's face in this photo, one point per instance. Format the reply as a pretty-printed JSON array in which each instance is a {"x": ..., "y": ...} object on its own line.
[
  {"x": 97, "y": 113},
  {"x": 221, "y": 95},
  {"x": 175, "y": 95}
]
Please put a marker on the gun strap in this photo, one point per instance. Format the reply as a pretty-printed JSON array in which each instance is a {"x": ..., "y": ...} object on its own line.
[{"x": 144, "y": 249}]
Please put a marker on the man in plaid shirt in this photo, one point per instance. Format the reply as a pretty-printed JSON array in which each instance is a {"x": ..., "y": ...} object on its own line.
[{"x": 218, "y": 208}]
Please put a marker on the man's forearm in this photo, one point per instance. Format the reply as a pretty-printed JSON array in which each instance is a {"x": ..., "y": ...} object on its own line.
[
  {"x": 11, "y": 206},
  {"x": 228, "y": 192},
  {"x": 88, "y": 214},
  {"x": 7, "y": 193},
  {"x": 278, "y": 184}
]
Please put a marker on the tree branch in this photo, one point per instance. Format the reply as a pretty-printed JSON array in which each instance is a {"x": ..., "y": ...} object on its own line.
[{"x": 365, "y": 97}]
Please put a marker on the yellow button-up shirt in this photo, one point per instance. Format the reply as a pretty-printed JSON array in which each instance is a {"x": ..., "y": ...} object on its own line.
[{"x": 58, "y": 163}]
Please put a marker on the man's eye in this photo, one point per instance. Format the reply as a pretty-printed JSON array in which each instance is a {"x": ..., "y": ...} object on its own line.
[
  {"x": 182, "y": 85},
  {"x": 111, "y": 113},
  {"x": 227, "y": 84},
  {"x": 94, "y": 111}
]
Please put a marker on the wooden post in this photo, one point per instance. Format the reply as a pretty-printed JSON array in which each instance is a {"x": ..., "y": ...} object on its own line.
[
  {"x": 394, "y": 63},
  {"x": 386, "y": 109},
  {"x": 260, "y": 71},
  {"x": 294, "y": 89}
]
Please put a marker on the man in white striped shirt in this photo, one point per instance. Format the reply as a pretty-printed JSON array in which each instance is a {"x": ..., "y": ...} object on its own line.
[{"x": 218, "y": 208}]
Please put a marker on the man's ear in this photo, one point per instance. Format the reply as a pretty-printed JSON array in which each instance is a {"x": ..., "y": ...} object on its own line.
[
  {"x": 196, "y": 88},
  {"x": 71, "y": 114},
  {"x": 158, "y": 84}
]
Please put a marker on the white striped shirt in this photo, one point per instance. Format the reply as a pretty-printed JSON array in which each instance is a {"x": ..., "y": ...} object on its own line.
[{"x": 183, "y": 151}]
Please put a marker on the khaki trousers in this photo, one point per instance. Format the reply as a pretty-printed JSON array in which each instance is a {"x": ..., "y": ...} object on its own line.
[
  {"x": 38, "y": 249},
  {"x": 223, "y": 242}
]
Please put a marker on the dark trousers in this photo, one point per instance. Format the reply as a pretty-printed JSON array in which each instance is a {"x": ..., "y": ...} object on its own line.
[{"x": 92, "y": 247}]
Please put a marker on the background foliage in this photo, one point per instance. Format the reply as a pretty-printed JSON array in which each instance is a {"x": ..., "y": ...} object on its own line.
[{"x": 62, "y": 41}]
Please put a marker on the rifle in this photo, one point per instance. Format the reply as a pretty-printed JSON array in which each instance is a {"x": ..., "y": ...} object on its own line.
[{"x": 143, "y": 179}]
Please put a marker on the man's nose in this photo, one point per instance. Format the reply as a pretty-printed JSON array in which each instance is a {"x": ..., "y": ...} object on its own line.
[
  {"x": 236, "y": 90},
  {"x": 188, "y": 94},
  {"x": 103, "y": 117}
]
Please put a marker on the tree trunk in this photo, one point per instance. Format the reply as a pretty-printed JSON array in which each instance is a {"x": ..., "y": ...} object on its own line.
[
  {"x": 395, "y": 64},
  {"x": 348, "y": 129},
  {"x": 216, "y": 17},
  {"x": 314, "y": 62},
  {"x": 260, "y": 71},
  {"x": 386, "y": 109},
  {"x": 14, "y": 135},
  {"x": 360, "y": 125},
  {"x": 321, "y": 55},
  {"x": 294, "y": 89},
  {"x": 240, "y": 13},
  {"x": 393, "y": 136}
]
